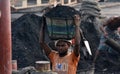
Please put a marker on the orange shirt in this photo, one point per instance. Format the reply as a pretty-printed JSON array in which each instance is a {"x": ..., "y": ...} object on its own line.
[{"x": 64, "y": 65}]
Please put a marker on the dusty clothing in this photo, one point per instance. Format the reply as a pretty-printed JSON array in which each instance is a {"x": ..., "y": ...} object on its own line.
[{"x": 64, "y": 65}]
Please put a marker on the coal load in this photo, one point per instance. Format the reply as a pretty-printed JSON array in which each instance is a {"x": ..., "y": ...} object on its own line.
[
  {"x": 59, "y": 21},
  {"x": 25, "y": 40},
  {"x": 62, "y": 12}
]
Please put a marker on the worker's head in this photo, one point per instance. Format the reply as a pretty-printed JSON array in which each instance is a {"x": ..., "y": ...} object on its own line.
[{"x": 62, "y": 46}]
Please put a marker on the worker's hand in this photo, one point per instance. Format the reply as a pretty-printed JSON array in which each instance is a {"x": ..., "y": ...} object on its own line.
[
  {"x": 105, "y": 34},
  {"x": 77, "y": 20}
]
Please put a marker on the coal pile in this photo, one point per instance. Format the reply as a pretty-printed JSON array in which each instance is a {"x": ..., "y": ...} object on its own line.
[
  {"x": 62, "y": 12},
  {"x": 26, "y": 47},
  {"x": 25, "y": 37}
]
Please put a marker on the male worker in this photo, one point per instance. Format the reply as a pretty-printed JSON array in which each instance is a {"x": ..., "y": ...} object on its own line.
[
  {"x": 104, "y": 49},
  {"x": 62, "y": 61}
]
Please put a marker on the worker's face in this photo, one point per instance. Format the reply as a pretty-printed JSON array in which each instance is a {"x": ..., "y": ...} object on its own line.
[{"x": 62, "y": 47}]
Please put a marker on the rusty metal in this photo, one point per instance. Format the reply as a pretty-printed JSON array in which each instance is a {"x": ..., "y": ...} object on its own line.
[
  {"x": 5, "y": 38},
  {"x": 0, "y": 14}
]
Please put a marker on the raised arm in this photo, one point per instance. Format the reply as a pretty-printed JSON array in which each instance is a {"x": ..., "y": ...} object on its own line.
[
  {"x": 42, "y": 37},
  {"x": 102, "y": 28},
  {"x": 77, "y": 35}
]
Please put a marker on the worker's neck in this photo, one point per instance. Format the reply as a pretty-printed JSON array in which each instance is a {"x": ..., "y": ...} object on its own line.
[{"x": 63, "y": 54}]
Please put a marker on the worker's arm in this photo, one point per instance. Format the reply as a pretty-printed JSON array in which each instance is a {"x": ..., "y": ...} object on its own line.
[
  {"x": 42, "y": 37},
  {"x": 77, "y": 35},
  {"x": 102, "y": 28}
]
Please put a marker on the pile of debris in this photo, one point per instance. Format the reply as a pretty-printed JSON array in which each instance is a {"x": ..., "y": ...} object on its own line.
[{"x": 25, "y": 40}]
